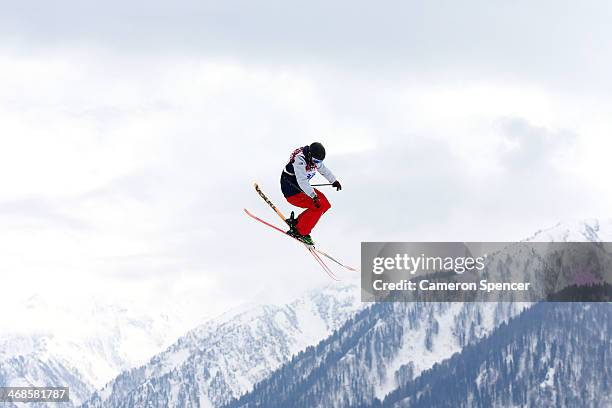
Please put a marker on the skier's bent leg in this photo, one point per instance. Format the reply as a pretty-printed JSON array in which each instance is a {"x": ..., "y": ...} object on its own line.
[
  {"x": 309, "y": 218},
  {"x": 303, "y": 201},
  {"x": 325, "y": 205}
]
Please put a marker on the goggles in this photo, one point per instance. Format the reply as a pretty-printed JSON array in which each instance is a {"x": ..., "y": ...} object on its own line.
[{"x": 316, "y": 161}]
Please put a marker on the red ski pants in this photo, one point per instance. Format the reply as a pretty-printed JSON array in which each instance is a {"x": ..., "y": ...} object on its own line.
[{"x": 310, "y": 216}]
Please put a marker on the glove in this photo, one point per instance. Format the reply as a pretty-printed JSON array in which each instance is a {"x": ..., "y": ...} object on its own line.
[
  {"x": 316, "y": 201},
  {"x": 337, "y": 185}
]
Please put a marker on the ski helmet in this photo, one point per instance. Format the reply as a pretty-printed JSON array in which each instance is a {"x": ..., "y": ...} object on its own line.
[{"x": 317, "y": 151}]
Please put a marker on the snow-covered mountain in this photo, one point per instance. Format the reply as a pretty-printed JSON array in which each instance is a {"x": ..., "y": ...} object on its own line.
[
  {"x": 378, "y": 350},
  {"x": 388, "y": 346},
  {"x": 383, "y": 347},
  {"x": 553, "y": 354},
  {"x": 82, "y": 347},
  {"x": 589, "y": 230},
  {"x": 536, "y": 259},
  {"x": 225, "y": 357}
]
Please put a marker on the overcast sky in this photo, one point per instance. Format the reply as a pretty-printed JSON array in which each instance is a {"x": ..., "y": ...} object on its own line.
[{"x": 130, "y": 134}]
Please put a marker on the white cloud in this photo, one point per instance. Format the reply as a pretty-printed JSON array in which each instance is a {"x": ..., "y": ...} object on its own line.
[{"x": 127, "y": 174}]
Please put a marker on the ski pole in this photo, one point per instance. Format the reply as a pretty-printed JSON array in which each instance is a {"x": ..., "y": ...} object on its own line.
[{"x": 319, "y": 185}]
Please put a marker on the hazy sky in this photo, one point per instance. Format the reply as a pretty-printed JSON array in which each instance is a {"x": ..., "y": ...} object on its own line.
[{"x": 130, "y": 134}]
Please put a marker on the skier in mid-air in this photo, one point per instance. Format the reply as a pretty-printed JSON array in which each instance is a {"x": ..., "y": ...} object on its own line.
[{"x": 303, "y": 164}]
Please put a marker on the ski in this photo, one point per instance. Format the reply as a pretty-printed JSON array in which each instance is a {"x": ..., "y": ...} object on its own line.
[
  {"x": 318, "y": 251},
  {"x": 282, "y": 217},
  {"x": 323, "y": 264},
  {"x": 309, "y": 248},
  {"x": 331, "y": 258},
  {"x": 267, "y": 200}
]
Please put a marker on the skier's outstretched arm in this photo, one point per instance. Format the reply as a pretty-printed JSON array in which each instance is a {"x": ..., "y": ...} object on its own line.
[{"x": 325, "y": 172}]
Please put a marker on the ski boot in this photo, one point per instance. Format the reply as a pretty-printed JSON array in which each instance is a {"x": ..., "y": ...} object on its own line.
[
  {"x": 292, "y": 223},
  {"x": 306, "y": 239}
]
